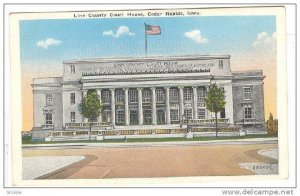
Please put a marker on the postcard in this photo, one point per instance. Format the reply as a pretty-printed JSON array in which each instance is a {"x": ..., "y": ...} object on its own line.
[{"x": 119, "y": 97}]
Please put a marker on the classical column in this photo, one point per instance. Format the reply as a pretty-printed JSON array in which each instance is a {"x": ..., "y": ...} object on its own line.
[
  {"x": 112, "y": 107},
  {"x": 140, "y": 106},
  {"x": 195, "y": 103},
  {"x": 84, "y": 93},
  {"x": 99, "y": 96},
  {"x": 181, "y": 109},
  {"x": 126, "y": 106},
  {"x": 153, "y": 105},
  {"x": 168, "y": 117}
]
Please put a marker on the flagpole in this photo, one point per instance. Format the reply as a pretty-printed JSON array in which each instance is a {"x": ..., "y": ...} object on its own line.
[{"x": 145, "y": 40}]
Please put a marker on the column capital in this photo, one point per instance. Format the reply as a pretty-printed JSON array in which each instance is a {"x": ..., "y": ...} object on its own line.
[
  {"x": 112, "y": 89},
  {"x": 152, "y": 88},
  {"x": 195, "y": 87},
  {"x": 166, "y": 87},
  {"x": 125, "y": 89},
  {"x": 140, "y": 88},
  {"x": 180, "y": 87}
]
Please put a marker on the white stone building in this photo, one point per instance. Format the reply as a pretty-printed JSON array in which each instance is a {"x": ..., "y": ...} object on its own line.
[{"x": 148, "y": 92}]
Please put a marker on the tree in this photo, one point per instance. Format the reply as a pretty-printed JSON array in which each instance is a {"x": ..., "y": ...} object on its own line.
[
  {"x": 90, "y": 107},
  {"x": 215, "y": 102},
  {"x": 270, "y": 124}
]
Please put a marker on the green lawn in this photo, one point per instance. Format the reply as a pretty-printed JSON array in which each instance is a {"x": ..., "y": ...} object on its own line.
[{"x": 27, "y": 140}]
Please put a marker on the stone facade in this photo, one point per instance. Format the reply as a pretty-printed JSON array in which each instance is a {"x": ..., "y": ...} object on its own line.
[{"x": 148, "y": 91}]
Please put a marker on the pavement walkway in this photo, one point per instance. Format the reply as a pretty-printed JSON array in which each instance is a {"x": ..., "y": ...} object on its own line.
[
  {"x": 39, "y": 166},
  {"x": 151, "y": 144}
]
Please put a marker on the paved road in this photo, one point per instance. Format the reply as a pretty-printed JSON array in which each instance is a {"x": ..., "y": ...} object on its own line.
[{"x": 158, "y": 161}]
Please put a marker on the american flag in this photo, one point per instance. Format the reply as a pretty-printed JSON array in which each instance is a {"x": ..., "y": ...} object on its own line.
[{"x": 152, "y": 30}]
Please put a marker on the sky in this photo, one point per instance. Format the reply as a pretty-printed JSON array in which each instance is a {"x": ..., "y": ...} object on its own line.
[{"x": 45, "y": 44}]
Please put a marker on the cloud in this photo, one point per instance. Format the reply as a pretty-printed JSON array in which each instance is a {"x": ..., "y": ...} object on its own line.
[
  {"x": 264, "y": 40},
  {"x": 196, "y": 36},
  {"x": 122, "y": 30},
  {"x": 47, "y": 42}
]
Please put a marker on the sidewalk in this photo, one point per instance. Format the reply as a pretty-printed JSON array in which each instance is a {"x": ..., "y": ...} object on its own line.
[
  {"x": 35, "y": 167},
  {"x": 153, "y": 144}
]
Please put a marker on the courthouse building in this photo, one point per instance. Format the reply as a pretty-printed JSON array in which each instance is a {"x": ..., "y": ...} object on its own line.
[{"x": 148, "y": 92}]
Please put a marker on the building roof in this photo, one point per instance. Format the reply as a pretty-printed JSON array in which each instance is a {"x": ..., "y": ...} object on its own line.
[{"x": 149, "y": 58}]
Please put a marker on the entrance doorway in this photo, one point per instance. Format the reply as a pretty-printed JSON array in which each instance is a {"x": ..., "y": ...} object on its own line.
[
  {"x": 160, "y": 117},
  {"x": 134, "y": 117},
  {"x": 147, "y": 117}
]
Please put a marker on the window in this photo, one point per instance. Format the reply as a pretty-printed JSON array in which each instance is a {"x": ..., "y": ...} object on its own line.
[
  {"x": 220, "y": 64},
  {"x": 160, "y": 95},
  {"x": 187, "y": 94},
  {"x": 201, "y": 95},
  {"x": 73, "y": 69},
  {"x": 73, "y": 118},
  {"x": 248, "y": 112},
  {"x": 133, "y": 96},
  {"x": 188, "y": 113},
  {"x": 246, "y": 93},
  {"x": 120, "y": 117},
  {"x": 174, "y": 115},
  {"x": 146, "y": 96},
  {"x": 201, "y": 113},
  {"x": 48, "y": 118},
  {"x": 93, "y": 119},
  {"x": 105, "y": 96},
  {"x": 120, "y": 95},
  {"x": 174, "y": 96},
  {"x": 48, "y": 99},
  {"x": 72, "y": 98},
  {"x": 223, "y": 113}
]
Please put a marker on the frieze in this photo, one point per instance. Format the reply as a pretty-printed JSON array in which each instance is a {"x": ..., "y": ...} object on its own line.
[{"x": 150, "y": 67}]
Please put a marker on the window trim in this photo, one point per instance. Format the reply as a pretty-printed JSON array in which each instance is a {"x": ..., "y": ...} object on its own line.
[
  {"x": 71, "y": 99},
  {"x": 244, "y": 93},
  {"x": 174, "y": 95},
  {"x": 72, "y": 118},
  {"x": 221, "y": 64},
  {"x": 187, "y": 94},
  {"x": 120, "y": 96},
  {"x": 105, "y": 97},
  {"x": 204, "y": 112},
  {"x": 190, "y": 113},
  {"x": 49, "y": 101},
  {"x": 246, "y": 107},
  {"x": 132, "y": 95},
  {"x": 174, "y": 113},
  {"x": 47, "y": 120},
  {"x": 118, "y": 115},
  {"x": 146, "y": 96},
  {"x": 72, "y": 69},
  {"x": 160, "y": 95}
]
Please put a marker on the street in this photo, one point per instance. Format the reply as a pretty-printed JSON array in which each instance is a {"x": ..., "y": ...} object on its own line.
[{"x": 158, "y": 161}]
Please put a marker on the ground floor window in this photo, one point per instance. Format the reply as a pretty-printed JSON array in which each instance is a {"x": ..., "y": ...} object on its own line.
[
  {"x": 147, "y": 117},
  {"x": 247, "y": 112},
  {"x": 188, "y": 113},
  {"x": 73, "y": 119},
  {"x": 93, "y": 119},
  {"x": 222, "y": 114},
  {"x": 201, "y": 113},
  {"x": 120, "y": 118},
  {"x": 48, "y": 118},
  {"x": 174, "y": 115},
  {"x": 106, "y": 116}
]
